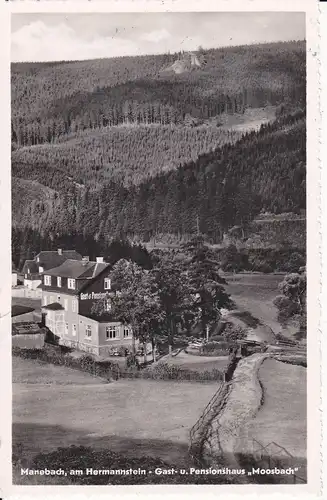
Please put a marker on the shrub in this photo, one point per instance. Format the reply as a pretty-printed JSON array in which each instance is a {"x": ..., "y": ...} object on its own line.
[
  {"x": 287, "y": 308},
  {"x": 166, "y": 371},
  {"x": 56, "y": 356},
  {"x": 233, "y": 332}
]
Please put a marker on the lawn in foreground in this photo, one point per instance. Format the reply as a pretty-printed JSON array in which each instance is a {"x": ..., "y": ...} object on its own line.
[
  {"x": 28, "y": 371},
  {"x": 136, "y": 417},
  {"x": 282, "y": 417}
]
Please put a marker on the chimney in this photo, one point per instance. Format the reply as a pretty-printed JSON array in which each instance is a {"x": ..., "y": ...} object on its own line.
[
  {"x": 59, "y": 251},
  {"x": 99, "y": 260}
]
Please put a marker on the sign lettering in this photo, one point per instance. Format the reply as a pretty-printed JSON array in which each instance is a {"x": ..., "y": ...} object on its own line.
[{"x": 94, "y": 296}]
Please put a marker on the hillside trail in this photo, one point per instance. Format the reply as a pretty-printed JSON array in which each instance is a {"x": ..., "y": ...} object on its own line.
[{"x": 260, "y": 333}]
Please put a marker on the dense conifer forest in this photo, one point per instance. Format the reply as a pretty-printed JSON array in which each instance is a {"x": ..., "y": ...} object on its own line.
[{"x": 128, "y": 148}]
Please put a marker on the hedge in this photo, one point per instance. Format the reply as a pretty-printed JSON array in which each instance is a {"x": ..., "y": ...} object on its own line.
[
  {"x": 56, "y": 355},
  {"x": 111, "y": 371},
  {"x": 166, "y": 371}
]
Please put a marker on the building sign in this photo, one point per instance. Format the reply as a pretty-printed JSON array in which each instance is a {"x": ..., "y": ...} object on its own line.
[{"x": 95, "y": 296}]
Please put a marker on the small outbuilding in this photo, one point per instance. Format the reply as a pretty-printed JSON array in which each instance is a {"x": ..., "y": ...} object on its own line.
[{"x": 26, "y": 335}]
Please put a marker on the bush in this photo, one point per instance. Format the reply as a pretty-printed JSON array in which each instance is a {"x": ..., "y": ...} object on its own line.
[
  {"x": 56, "y": 355},
  {"x": 233, "y": 332},
  {"x": 203, "y": 352},
  {"x": 166, "y": 371},
  {"x": 287, "y": 308}
]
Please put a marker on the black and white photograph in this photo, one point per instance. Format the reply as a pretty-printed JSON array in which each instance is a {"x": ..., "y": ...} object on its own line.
[{"x": 159, "y": 248}]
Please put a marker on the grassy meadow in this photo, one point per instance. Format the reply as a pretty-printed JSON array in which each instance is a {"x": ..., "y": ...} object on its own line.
[{"x": 55, "y": 408}]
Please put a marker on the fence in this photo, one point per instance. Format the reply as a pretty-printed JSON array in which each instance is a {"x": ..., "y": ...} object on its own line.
[
  {"x": 221, "y": 436},
  {"x": 274, "y": 456},
  {"x": 24, "y": 292},
  {"x": 208, "y": 450},
  {"x": 201, "y": 429}
]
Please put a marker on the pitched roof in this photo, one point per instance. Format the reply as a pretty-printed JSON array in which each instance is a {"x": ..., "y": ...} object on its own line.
[
  {"x": 54, "y": 306},
  {"x": 17, "y": 310},
  {"x": 48, "y": 259},
  {"x": 51, "y": 259},
  {"x": 106, "y": 317},
  {"x": 30, "y": 267},
  {"x": 78, "y": 269}
]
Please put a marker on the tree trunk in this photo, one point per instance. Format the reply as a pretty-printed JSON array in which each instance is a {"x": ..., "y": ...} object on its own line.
[
  {"x": 144, "y": 353},
  {"x": 171, "y": 337},
  {"x": 153, "y": 350},
  {"x": 133, "y": 344},
  {"x": 204, "y": 328}
]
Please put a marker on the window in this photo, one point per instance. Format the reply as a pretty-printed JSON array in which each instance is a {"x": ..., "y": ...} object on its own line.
[
  {"x": 66, "y": 328},
  {"x": 111, "y": 332},
  {"x": 74, "y": 306},
  {"x": 51, "y": 299},
  {"x": 45, "y": 300},
  {"x": 88, "y": 331},
  {"x": 74, "y": 330},
  {"x": 59, "y": 282},
  {"x": 41, "y": 269},
  {"x": 25, "y": 276},
  {"x": 107, "y": 284},
  {"x": 66, "y": 305},
  {"x": 71, "y": 283},
  {"x": 47, "y": 280},
  {"x": 126, "y": 332},
  {"x": 108, "y": 306},
  {"x": 37, "y": 259},
  {"x": 28, "y": 270}
]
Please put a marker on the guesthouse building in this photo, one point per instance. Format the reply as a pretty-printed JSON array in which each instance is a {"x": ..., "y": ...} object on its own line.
[
  {"x": 34, "y": 269},
  {"x": 76, "y": 307}
]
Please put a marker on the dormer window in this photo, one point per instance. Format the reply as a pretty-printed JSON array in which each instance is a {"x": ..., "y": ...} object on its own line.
[
  {"x": 58, "y": 281},
  {"x": 107, "y": 284},
  {"x": 47, "y": 280},
  {"x": 71, "y": 283},
  {"x": 41, "y": 269},
  {"x": 37, "y": 259}
]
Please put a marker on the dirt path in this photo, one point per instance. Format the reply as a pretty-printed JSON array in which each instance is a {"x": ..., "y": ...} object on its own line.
[
  {"x": 253, "y": 295},
  {"x": 260, "y": 332}
]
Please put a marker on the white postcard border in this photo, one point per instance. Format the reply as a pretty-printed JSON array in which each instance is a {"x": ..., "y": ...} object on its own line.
[{"x": 313, "y": 488}]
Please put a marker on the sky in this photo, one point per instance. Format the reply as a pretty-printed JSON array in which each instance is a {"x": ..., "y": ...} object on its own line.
[{"x": 58, "y": 37}]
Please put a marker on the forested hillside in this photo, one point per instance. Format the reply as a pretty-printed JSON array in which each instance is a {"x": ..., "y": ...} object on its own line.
[
  {"x": 51, "y": 100},
  {"x": 125, "y": 153},
  {"x": 128, "y": 147}
]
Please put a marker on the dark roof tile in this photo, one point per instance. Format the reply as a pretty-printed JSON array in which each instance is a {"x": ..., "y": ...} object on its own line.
[
  {"x": 51, "y": 259},
  {"x": 77, "y": 269},
  {"x": 54, "y": 306},
  {"x": 17, "y": 310}
]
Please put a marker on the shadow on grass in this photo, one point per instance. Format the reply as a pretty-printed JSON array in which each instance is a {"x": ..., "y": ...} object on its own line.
[
  {"x": 55, "y": 447},
  {"x": 35, "y": 438}
]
